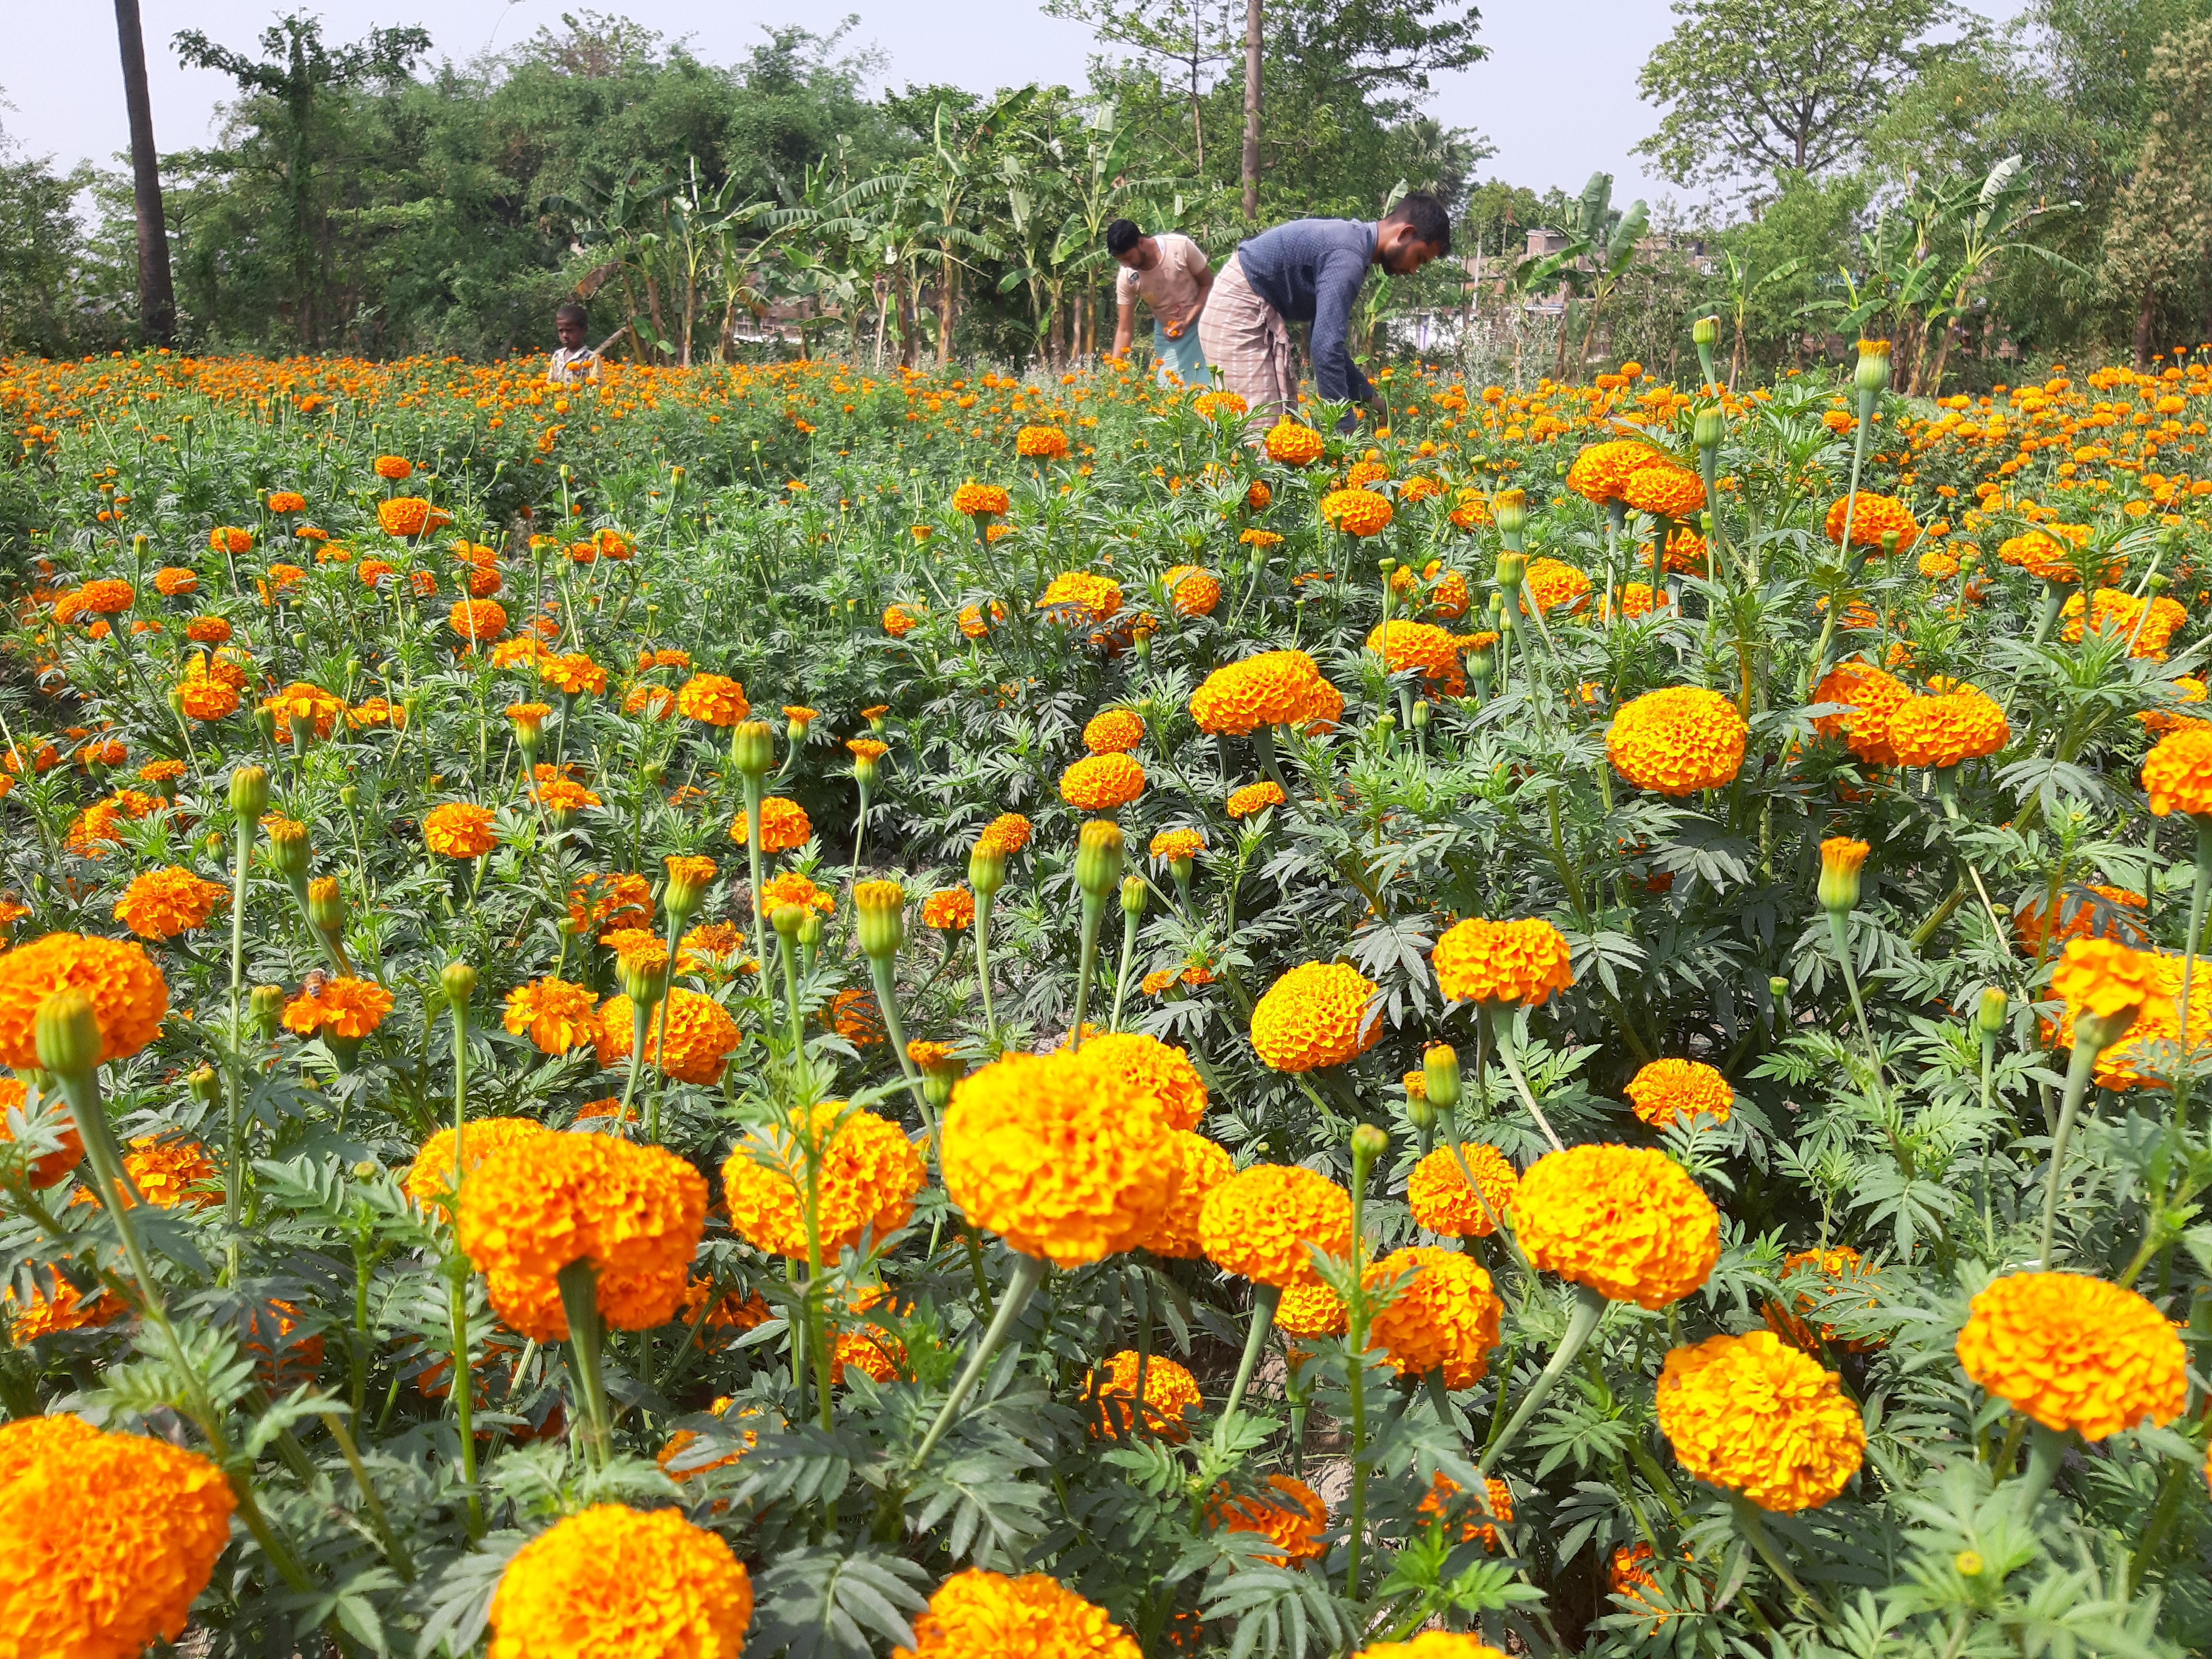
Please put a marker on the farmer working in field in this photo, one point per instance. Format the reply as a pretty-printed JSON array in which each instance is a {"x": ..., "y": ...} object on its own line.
[
  {"x": 1170, "y": 273},
  {"x": 574, "y": 361},
  {"x": 1309, "y": 270}
]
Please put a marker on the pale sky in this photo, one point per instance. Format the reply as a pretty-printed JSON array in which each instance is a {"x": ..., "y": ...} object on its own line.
[{"x": 1556, "y": 97}]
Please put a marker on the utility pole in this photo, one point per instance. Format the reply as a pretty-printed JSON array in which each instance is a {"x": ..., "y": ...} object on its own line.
[
  {"x": 157, "y": 297},
  {"x": 1252, "y": 18}
]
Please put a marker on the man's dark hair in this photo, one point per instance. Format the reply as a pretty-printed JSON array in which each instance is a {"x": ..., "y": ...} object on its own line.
[
  {"x": 1431, "y": 223},
  {"x": 1122, "y": 235},
  {"x": 571, "y": 310}
]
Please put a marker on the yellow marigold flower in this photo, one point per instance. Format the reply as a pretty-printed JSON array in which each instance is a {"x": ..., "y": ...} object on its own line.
[
  {"x": 1196, "y": 590},
  {"x": 1258, "y": 1222},
  {"x": 429, "y": 1178},
  {"x": 130, "y": 998},
  {"x": 1753, "y": 1415},
  {"x": 793, "y": 888},
  {"x": 1942, "y": 730},
  {"x": 713, "y": 699},
  {"x": 690, "y": 1038},
  {"x": 1254, "y": 798},
  {"x": 394, "y": 468},
  {"x": 168, "y": 1171},
  {"x": 611, "y": 1580},
  {"x": 1006, "y": 834},
  {"x": 784, "y": 825},
  {"x": 558, "y": 1015},
  {"x": 2144, "y": 1055},
  {"x": 1678, "y": 740},
  {"x": 867, "y": 749},
  {"x": 162, "y": 904},
  {"x": 977, "y": 501},
  {"x": 1498, "y": 963},
  {"x": 1601, "y": 471},
  {"x": 1317, "y": 1014},
  {"x": 1356, "y": 512},
  {"x": 1311, "y": 1311},
  {"x": 1202, "y": 1166},
  {"x": 1873, "y": 697},
  {"x": 1043, "y": 443},
  {"x": 539, "y": 1204},
  {"x": 111, "y": 1538},
  {"x": 575, "y": 674},
  {"x": 1292, "y": 443},
  {"x": 948, "y": 908},
  {"x": 2150, "y": 626},
  {"x": 1664, "y": 489},
  {"x": 1275, "y": 688},
  {"x": 1442, "y": 1200},
  {"x": 1626, "y": 1221},
  {"x": 1153, "y": 1074},
  {"x": 2074, "y": 1352},
  {"x": 973, "y": 623},
  {"x": 1293, "y": 1520},
  {"x": 1170, "y": 845},
  {"x": 899, "y": 620},
  {"x": 1169, "y": 1391},
  {"x": 1407, "y": 646},
  {"x": 2097, "y": 976},
  {"x": 458, "y": 829},
  {"x": 1079, "y": 597},
  {"x": 2177, "y": 775},
  {"x": 865, "y": 1169},
  {"x": 1220, "y": 405},
  {"x": 1102, "y": 783},
  {"x": 1873, "y": 517},
  {"x": 350, "y": 1009},
  {"x": 1668, "y": 1089},
  {"x": 1114, "y": 731},
  {"x": 1043, "y": 1151},
  {"x": 1443, "y": 1320},
  {"x": 978, "y": 1614}
]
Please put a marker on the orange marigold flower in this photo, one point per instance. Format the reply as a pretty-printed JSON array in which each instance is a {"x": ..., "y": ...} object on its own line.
[
  {"x": 405, "y": 515},
  {"x": 1356, "y": 512},
  {"x": 1626, "y": 1221},
  {"x": 1102, "y": 783},
  {"x": 977, "y": 500},
  {"x": 429, "y": 1178},
  {"x": 1444, "y": 1319},
  {"x": 349, "y": 1009},
  {"x": 948, "y": 908},
  {"x": 979, "y": 1614},
  {"x": 1153, "y": 1075},
  {"x": 1498, "y": 963},
  {"x": 1259, "y": 1223},
  {"x": 1317, "y": 1014},
  {"x": 1434, "y": 1507},
  {"x": 1275, "y": 688},
  {"x": 1079, "y": 598},
  {"x": 173, "y": 581},
  {"x": 458, "y": 829},
  {"x": 2099, "y": 977},
  {"x": 558, "y": 1015},
  {"x": 864, "y": 1170},
  {"x": 166, "y": 1171},
  {"x": 1043, "y": 1151},
  {"x": 1873, "y": 518},
  {"x": 1042, "y": 443},
  {"x": 1942, "y": 731},
  {"x": 601, "y": 903},
  {"x": 1193, "y": 590},
  {"x": 539, "y": 1204},
  {"x": 574, "y": 674},
  {"x": 1006, "y": 834},
  {"x": 1172, "y": 846},
  {"x": 1169, "y": 1391},
  {"x": 714, "y": 699},
  {"x": 111, "y": 1537},
  {"x": 1407, "y": 646},
  {"x": 784, "y": 825},
  {"x": 1668, "y": 1089},
  {"x": 1200, "y": 1167},
  {"x": 1678, "y": 740},
  {"x": 1601, "y": 471},
  {"x": 2090, "y": 912},
  {"x": 66, "y": 1309},
  {"x": 611, "y": 1580},
  {"x": 2074, "y": 1352},
  {"x": 2177, "y": 775},
  {"x": 1443, "y": 1201},
  {"x": 867, "y": 749},
  {"x": 129, "y": 996},
  {"x": 1664, "y": 490},
  {"x": 208, "y": 630},
  {"x": 1753, "y": 1415},
  {"x": 793, "y": 888},
  {"x": 2149, "y": 626},
  {"x": 1114, "y": 731},
  {"x": 690, "y": 1038},
  {"x": 1293, "y": 1520},
  {"x": 1311, "y": 1311},
  {"x": 395, "y": 468},
  {"x": 854, "y": 1016},
  {"x": 229, "y": 538},
  {"x": 1837, "y": 1267},
  {"x": 478, "y": 620},
  {"x": 1873, "y": 696},
  {"x": 1292, "y": 443},
  {"x": 162, "y": 904},
  {"x": 899, "y": 620},
  {"x": 49, "y": 1169},
  {"x": 1254, "y": 798}
]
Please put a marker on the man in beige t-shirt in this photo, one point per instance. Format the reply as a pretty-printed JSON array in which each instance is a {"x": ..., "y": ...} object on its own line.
[{"x": 1171, "y": 274}]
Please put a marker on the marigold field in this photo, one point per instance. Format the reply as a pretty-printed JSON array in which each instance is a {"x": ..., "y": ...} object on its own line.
[{"x": 1022, "y": 1016}]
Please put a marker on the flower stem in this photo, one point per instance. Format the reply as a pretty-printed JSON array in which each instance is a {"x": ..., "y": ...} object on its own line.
[
  {"x": 463, "y": 1386},
  {"x": 1589, "y": 1309},
  {"x": 2078, "y": 1071},
  {"x": 1505, "y": 1058},
  {"x": 983, "y": 960},
  {"x": 580, "y": 1302},
  {"x": 233, "y": 1180},
  {"x": 753, "y": 860},
  {"x": 2046, "y": 1449},
  {"x": 1129, "y": 925},
  {"x": 1094, "y": 915},
  {"x": 1265, "y": 1297},
  {"x": 1752, "y": 1525},
  {"x": 1028, "y": 1273},
  {"x": 1839, "y": 936}
]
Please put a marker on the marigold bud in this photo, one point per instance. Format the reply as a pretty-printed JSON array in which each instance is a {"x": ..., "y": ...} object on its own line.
[
  {"x": 1841, "y": 861},
  {"x": 265, "y": 1004},
  {"x": 1421, "y": 713},
  {"x": 288, "y": 848},
  {"x": 1989, "y": 1015},
  {"x": 1709, "y": 428},
  {"x": 1098, "y": 858},
  {"x": 206, "y": 1086},
  {"x": 785, "y": 920},
  {"x": 752, "y": 748},
  {"x": 326, "y": 905},
  {"x": 1872, "y": 374},
  {"x": 265, "y": 722},
  {"x": 249, "y": 793},
  {"x": 810, "y": 929},
  {"x": 1705, "y": 331},
  {"x": 67, "y": 1032},
  {"x": 1440, "y": 1067},
  {"x": 459, "y": 982},
  {"x": 1369, "y": 1143},
  {"x": 1133, "y": 894},
  {"x": 349, "y": 796},
  {"x": 1779, "y": 988},
  {"x": 644, "y": 978},
  {"x": 1510, "y": 512},
  {"x": 882, "y": 907},
  {"x": 987, "y": 872}
]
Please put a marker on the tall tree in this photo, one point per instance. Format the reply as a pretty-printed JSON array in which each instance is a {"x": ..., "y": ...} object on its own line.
[
  {"x": 1754, "y": 89},
  {"x": 300, "y": 72},
  {"x": 2157, "y": 248},
  {"x": 157, "y": 298},
  {"x": 1187, "y": 39},
  {"x": 1254, "y": 22}
]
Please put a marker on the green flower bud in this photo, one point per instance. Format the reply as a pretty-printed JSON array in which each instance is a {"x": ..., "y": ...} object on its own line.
[
  {"x": 1440, "y": 1067},
  {"x": 1369, "y": 1143},
  {"x": 177, "y": 701},
  {"x": 326, "y": 905},
  {"x": 1705, "y": 331},
  {"x": 1779, "y": 988},
  {"x": 644, "y": 978},
  {"x": 349, "y": 796},
  {"x": 249, "y": 793},
  {"x": 1098, "y": 858},
  {"x": 810, "y": 929},
  {"x": 1419, "y": 1113},
  {"x": 206, "y": 1084},
  {"x": 987, "y": 872},
  {"x": 1134, "y": 895},
  {"x": 1872, "y": 375},
  {"x": 881, "y": 908},
  {"x": 265, "y": 722},
  {"x": 786, "y": 920},
  {"x": 67, "y": 1032},
  {"x": 1512, "y": 568},
  {"x": 459, "y": 982},
  {"x": 1842, "y": 860},
  {"x": 288, "y": 851},
  {"x": 753, "y": 749},
  {"x": 1510, "y": 513},
  {"x": 1990, "y": 1017},
  {"x": 264, "y": 1006},
  {"x": 1711, "y": 426}
]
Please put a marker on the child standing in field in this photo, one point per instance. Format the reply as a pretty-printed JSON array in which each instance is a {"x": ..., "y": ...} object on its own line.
[{"x": 574, "y": 361}]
